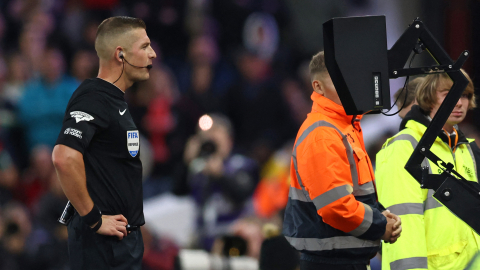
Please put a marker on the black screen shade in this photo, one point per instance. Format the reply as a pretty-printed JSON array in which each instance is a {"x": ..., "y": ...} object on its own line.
[{"x": 357, "y": 61}]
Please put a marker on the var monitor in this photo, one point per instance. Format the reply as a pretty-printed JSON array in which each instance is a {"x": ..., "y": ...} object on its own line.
[{"x": 357, "y": 60}]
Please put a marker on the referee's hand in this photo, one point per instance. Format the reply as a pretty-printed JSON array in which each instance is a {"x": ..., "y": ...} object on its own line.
[{"x": 114, "y": 225}]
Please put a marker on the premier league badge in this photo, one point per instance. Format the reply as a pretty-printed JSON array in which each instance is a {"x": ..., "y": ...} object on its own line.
[{"x": 133, "y": 142}]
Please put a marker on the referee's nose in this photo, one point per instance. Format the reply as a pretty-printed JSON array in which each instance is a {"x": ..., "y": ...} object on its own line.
[{"x": 152, "y": 54}]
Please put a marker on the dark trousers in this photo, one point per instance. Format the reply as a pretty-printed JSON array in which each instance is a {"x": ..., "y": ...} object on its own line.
[
  {"x": 90, "y": 250},
  {"x": 306, "y": 265}
]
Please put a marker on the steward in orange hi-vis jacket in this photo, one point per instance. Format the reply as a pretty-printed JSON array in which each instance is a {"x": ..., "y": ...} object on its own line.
[{"x": 333, "y": 216}]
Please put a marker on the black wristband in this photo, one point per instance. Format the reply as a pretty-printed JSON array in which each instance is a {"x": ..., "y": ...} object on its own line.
[
  {"x": 99, "y": 224},
  {"x": 93, "y": 217}
]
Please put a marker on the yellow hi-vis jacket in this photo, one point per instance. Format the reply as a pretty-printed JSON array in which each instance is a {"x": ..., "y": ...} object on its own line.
[{"x": 432, "y": 237}]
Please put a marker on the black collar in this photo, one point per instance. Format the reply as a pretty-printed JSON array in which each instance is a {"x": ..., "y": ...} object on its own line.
[
  {"x": 110, "y": 87},
  {"x": 420, "y": 116}
]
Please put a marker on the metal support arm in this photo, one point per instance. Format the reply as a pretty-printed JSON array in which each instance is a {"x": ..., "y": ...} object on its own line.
[{"x": 451, "y": 189}]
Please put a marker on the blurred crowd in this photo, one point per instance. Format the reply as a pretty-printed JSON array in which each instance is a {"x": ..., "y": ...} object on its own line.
[{"x": 226, "y": 95}]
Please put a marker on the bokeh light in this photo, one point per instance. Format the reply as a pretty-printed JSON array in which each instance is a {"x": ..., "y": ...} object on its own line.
[{"x": 205, "y": 122}]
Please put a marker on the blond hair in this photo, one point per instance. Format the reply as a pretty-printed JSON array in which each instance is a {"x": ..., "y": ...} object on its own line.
[
  {"x": 317, "y": 65},
  {"x": 427, "y": 91}
]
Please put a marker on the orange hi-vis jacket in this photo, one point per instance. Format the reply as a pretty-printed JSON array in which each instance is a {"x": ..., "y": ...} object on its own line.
[{"x": 333, "y": 215}]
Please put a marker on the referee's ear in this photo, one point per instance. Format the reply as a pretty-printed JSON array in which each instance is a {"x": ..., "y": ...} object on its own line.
[{"x": 119, "y": 54}]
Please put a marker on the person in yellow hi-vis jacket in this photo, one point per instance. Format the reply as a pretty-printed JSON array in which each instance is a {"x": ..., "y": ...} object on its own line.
[{"x": 432, "y": 237}]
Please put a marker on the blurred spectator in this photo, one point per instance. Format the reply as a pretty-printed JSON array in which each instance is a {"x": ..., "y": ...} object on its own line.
[
  {"x": 303, "y": 74},
  {"x": 151, "y": 106},
  {"x": 405, "y": 98},
  {"x": 221, "y": 182},
  {"x": 89, "y": 33},
  {"x": 36, "y": 180},
  {"x": 168, "y": 20},
  {"x": 249, "y": 229},
  {"x": 8, "y": 177},
  {"x": 307, "y": 17},
  {"x": 17, "y": 75},
  {"x": 202, "y": 81},
  {"x": 271, "y": 194},
  {"x": 84, "y": 65},
  {"x": 205, "y": 74},
  {"x": 50, "y": 207},
  {"x": 42, "y": 107},
  {"x": 231, "y": 16},
  {"x": 73, "y": 22},
  {"x": 16, "y": 227},
  {"x": 160, "y": 253},
  {"x": 2, "y": 27},
  {"x": 32, "y": 43},
  {"x": 299, "y": 104},
  {"x": 49, "y": 239},
  {"x": 257, "y": 109},
  {"x": 159, "y": 120}
]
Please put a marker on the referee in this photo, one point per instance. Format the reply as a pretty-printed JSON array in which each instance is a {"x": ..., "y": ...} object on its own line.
[{"x": 97, "y": 153}]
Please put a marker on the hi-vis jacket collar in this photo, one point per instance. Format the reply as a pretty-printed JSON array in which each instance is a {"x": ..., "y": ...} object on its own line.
[
  {"x": 418, "y": 115},
  {"x": 331, "y": 109}
]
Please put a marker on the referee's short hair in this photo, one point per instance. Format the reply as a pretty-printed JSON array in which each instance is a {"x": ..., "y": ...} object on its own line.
[{"x": 110, "y": 32}]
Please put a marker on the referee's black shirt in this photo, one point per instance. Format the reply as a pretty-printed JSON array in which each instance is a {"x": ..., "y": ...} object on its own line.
[{"x": 97, "y": 123}]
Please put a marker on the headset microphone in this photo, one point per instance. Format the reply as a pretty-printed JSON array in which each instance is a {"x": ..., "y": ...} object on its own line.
[
  {"x": 148, "y": 66},
  {"x": 123, "y": 58},
  {"x": 120, "y": 55}
]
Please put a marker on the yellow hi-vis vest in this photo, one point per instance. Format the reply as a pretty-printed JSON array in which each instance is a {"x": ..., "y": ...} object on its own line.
[{"x": 432, "y": 237}]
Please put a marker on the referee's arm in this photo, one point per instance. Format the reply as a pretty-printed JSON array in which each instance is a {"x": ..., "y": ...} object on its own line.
[{"x": 70, "y": 169}]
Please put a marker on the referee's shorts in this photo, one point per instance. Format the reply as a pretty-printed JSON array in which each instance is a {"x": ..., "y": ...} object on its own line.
[{"x": 90, "y": 250}]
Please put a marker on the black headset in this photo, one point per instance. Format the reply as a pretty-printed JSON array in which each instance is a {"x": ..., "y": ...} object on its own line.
[{"x": 120, "y": 55}]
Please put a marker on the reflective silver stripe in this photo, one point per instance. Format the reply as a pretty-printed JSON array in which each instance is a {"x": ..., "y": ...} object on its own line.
[
  {"x": 305, "y": 193},
  {"x": 358, "y": 190},
  {"x": 364, "y": 189},
  {"x": 332, "y": 195},
  {"x": 414, "y": 142},
  {"x": 304, "y": 135},
  {"x": 473, "y": 159},
  {"x": 406, "y": 137},
  {"x": 300, "y": 139},
  {"x": 431, "y": 202},
  {"x": 407, "y": 208},
  {"x": 409, "y": 263},
  {"x": 353, "y": 165},
  {"x": 337, "y": 242},
  {"x": 297, "y": 194},
  {"x": 366, "y": 223}
]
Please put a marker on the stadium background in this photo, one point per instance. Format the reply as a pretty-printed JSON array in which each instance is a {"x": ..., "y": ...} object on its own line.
[{"x": 245, "y": 59}]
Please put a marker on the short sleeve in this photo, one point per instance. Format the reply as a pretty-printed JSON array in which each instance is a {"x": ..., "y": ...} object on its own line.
[{"x": 84, "y": 117}]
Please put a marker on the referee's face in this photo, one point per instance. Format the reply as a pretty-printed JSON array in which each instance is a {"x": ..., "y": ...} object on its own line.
[{"x": 140, "y": 54}]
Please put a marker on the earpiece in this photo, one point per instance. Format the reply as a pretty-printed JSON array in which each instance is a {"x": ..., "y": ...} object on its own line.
[{"x": 120, "y": 55}]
